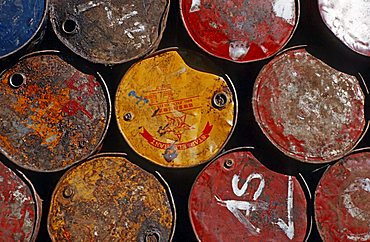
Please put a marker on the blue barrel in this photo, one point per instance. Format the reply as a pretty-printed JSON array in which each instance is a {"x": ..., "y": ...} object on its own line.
[{"x": 20, "y": 21}]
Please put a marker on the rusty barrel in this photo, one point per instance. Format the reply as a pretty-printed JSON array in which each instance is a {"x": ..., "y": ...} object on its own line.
[
  {"x": 52, "y": 113},
  {"x": 342, "y": 200},
  {"x": 349, "y": 22},
  {"x": 240, "y": 31},
  {"x": 236, "y": 198},
  {"x": 173, "y": 114},
  {"x": 109, "y": 32},
  {"x": 20, "y": 207},
  {"x": 307, "y": 109},
  {"x": 108, "y": 198}
]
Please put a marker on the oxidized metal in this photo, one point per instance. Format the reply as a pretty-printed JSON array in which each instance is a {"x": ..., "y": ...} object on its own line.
[
  {"x": 20, "y": 207},
  {"x": 342, "y": 203},
  {"x": 20, "y": 21},
  {"x": 52, "y": 114},
  {"x": 172, "y": 114},
  {"x": 109, "y": 31},
  {"x": 240, "y": 31},
  {"x": 107, "y": 198},
  {"x": 349, "y": 21},
  {"x": 307, "y": 109},
  {"x": 236, "y": 198}
]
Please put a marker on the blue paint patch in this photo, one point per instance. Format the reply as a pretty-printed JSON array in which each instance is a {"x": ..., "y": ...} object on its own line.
[
  {"x": 19, "y": 22},
  {"x": 139, "y": 98}
]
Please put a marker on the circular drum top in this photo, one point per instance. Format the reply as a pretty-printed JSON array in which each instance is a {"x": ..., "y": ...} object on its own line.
[
  {"x": 110, "y": 199},
  {"x": 19, "y": 208},
  {"x": 238, "y": 30},
  {"x": 349, "y": 21},
  {"x": 236, "y": 198},
  {"x": 310, "y": 111},
  {"x": 172, "y": 114},
  {"x": 109, "y": 31},
  {"x": 19, "y": 23},
  {"x": 342, "y": 203},
  {"x": 52, "y": 115}
]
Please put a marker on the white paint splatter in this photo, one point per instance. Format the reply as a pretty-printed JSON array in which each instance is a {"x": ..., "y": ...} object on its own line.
[
  {"x": 121, "y": 20},
  {"x": 238, "y": 49},
  {"x": 285, "y": 9},
  {"x": 195, "y": 6}
]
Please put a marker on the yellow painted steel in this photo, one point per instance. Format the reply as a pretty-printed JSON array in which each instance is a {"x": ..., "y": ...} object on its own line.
[{"x": 165, "y": 111}]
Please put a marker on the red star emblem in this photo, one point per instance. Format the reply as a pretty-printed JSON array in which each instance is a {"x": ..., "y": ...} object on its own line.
[{"x": 177, "y": 126}]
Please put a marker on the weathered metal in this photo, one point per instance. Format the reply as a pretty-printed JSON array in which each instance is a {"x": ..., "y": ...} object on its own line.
[
  {"x": 172, "y": 114},
  {"x": 107, "y": 198},
  {"x": 349, "y": 21},
  {"x": 240, "y": 31},
  {"x": 109, "y": 31},
  {"x": 20, "y": 21},
  {"x": 236, "y": 198},
  {"x": 307, "y": 109},
  {"x": 20, "y": 207},
  {"x": 52, "y": 114},
  {"x": 342, "y": 202}
]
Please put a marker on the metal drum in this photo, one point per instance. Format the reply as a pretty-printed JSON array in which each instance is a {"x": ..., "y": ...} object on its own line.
[
  {"x": 240, "y": 31},
  {"x": 107, "y": 198},
  {"x": 307, "y": 109},
  {"x": 342, "y": 201},
  {"x": 236, "y": 198},
  {"x": 172, "y": 114},
  {"x": 20, "y": 207},
  {"x": 109, "y": 31},
  {"x": 52, "y": 114}
]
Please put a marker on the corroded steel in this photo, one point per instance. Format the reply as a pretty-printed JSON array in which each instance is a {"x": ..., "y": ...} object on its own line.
[
  {"x": 307, "y": 109},
  {"x": 20, "y": 21},
  {"x": 236, "y": 198},
  {"x": 52, "y": 115},
  {"x": 349, "y": 21},
  {"x": 174, "y": 115},
  {"x": 238, "y": 30},
  {"x": 342, "y": 202},
  {"x": 20, "y": 208},
  {"x": 108, "y": 198},
  {"x": 109, "y": 31}
]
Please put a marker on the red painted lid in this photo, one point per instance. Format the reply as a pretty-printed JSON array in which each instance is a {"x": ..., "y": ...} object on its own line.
[
  {"x": 236, "y": 198},
  {"x": 342, "y": 202},
  {"x": 240, "y": 31}
]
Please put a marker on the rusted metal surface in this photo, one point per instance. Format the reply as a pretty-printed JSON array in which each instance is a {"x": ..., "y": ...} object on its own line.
[
  {"x": 172, "y": 114},
  {"x": 342, "y": 202},
  {"x": 52, "y": 115},
  {"x": 109, "y": 31},
  {"x": 238, "y": 30},
  {"x": 20, "y": 21},
  {"x": 310, "y": 111},
  {"x": 20, "y": 208},
  {"x": 108, "y": 198},
  {"x": 236, "y": 198},
  {"x": 349, "y": 21}
]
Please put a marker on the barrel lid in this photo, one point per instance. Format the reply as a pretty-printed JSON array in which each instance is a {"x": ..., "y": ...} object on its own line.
[
  {"x": 52, "y": 114},
  {"x": 109, "y": 32},
  {"x": 349, "y": 21},
  {"x": 236, "y": 198},
  {"x": 240, "y": 31},
  {"x": 172, "y": 114},
  {"x": 107, "y": 198},
  {"x": 342, "y": 200},
  {"x": 307, "y": 109}
]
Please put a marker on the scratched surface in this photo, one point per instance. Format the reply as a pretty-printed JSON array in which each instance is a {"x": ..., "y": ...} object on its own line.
[
  {"x": 107, "y": 199},
  {"x": 110, "y": 31},
  {"x": 174, "y": 122},
  {"x": 19, "y": 22},
  {"x": 18, "y": 208},
  {"x": 236, "y": 198},
  {"x": 238, "y": 30},
  {"x": 342, "y": 202},
  {"x": 349, "y": 21},
  {"x": 56, "y": 118},
  {"x": 307, "y": 109}
]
